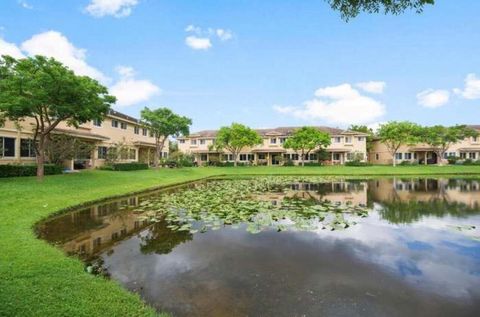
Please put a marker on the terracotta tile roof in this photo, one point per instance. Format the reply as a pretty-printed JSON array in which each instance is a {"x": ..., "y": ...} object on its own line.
[{"x": 277, "y": 131}]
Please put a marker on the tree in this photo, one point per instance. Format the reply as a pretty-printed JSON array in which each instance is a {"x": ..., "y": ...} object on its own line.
[
  {"x": 163, "y": 123},
  {"x": 65, "y": 147},
  {"x": 366, "y": 130},
  {"x": 235, "y": 138},
  {"x": 351, "y": 8},
  {"x": 395, "y": 134},
  {"x": 48, "y": 92},
  {"x": 440, "y": 138},
  {"x": 305, "y": 140}
]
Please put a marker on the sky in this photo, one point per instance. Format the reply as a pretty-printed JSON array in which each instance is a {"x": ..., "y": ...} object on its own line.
[{"x": 265, "y": 63}]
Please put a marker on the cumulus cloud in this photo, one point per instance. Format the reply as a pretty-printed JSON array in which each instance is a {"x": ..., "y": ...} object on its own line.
[
  {"x": 431, "y": 98},
  {"x": 201, "y": 39},
  {"x": 374, "y": 87},
  {"x": 24, "y": 4},
  {"x": 340, "y": 104},
  {"x": 55, "y": 44},
  {"x": 198, "y": 43},
  {"x": 11, "y": 49},
  {"x": 116, "y": 8},
  {"x": 471, "y": 89},
  {"x": 129, "y": 90}
]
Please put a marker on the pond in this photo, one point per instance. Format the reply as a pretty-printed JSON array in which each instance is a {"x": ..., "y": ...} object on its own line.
[{"x": 288, "y": 246}]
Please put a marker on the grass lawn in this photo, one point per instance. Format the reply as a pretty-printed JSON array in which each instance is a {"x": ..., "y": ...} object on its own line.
[{"x": 37, "y": 279}]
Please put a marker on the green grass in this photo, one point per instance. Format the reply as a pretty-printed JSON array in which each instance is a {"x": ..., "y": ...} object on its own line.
[{"x": 37, "y": 279}]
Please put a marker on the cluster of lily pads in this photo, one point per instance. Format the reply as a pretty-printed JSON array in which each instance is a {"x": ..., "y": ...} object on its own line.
[{"x": 259, "y": 203}]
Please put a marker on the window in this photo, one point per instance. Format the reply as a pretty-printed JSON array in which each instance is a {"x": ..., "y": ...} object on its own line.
[
  {"x": 415, "y": 155},
  {"x": 132, "y": 154},
  {"x": 115, "y": 123},
  {"x": 243, "y": 157},
  {"x": 377, "y": 157},
  {"x": 102, "y": 152},
  {"x": 337, "y": 139},
  {"x": 463, "y": 155},
  {"x": 348, "y": 139},
  {"x": 313, "y": 157},
  {"x": 336, "y": 156},
  {"x": 474, "y": 139},
  {"x": 282, "y": 140},
  {"x": 361, "y": 139},
  {"x": 165, "y": 154},
  {"x": 7, "y": 147},
  {"x": 27, "y": 148},
  {"x": 261, "y": 156},
  {"x": 97, "y": 122},
  {"x": 123, "y": 125},
  {"x": 181, "y": 141},
  {"x": 203, "y": 157},
  {"x": 251, "y": 157},
  {"x": 472, "y": 155},
  {"x": 151, "y": 133},
  {"x": 136, "y": 130},
  {"x": 398, "y": 156},
  {"x": 230, "y": 157},
  {"x": 202, "y": 141},
  {"x": 295, "y": 157},
  {"x": 144, "y": 132},
  {"x": 193, "y": 142},
  {"x": 273, "y": 141},
  {"x": 408, "y": 156}
]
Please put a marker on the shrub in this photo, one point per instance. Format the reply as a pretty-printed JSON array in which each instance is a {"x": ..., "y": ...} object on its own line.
[
  {"x": 357, "y": 163},
  {"x": 105, "y": 168},
  {"x": 129, "y": 166},
  {"x": 12, "y": 170},
  {"x": 313, "y": 164},
  {"x": 467, "y": 162},
  {"x": 288, "y": 163},
  {"x": 452, "y": 159},
  {"x": 408, "y": 163}
]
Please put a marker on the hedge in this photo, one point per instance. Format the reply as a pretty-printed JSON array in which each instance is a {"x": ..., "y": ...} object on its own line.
[
  {"x": 12, "y": 170},
  {"x": 129, "y": 166}
]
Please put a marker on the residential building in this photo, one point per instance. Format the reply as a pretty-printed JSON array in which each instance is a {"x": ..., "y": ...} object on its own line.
[
  {"x": 345, "y": 145},
  {"x": 16, "y": 144},
  {"x": 468, "y": 148}
]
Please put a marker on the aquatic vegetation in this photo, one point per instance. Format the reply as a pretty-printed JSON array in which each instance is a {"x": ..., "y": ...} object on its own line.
[{"x": 280, "y": 203}]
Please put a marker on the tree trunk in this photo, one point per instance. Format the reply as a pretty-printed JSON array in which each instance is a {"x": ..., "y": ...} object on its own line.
[
  {"x": 395, "y": 159},
  {"x": 234, "y": 159},
  {"x": 303, "y": 159},
  {"x": 158, "y": 151},
  {"x": 41, "y": 158}
]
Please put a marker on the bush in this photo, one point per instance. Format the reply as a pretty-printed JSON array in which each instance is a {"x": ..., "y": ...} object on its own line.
[
  {"x": 288, "y": 163},
  {"x": 313, "y": 164},
  {"x": 467, "y": 162},
  {"x": 452, "y": 159},
  {"x": 105, "y": 168},
  {"x": 357, "y": 163},
  {"x": 129, "y": 166},
  {"x": 12, "y": 170},
  {"x": 408, "y": 163}
]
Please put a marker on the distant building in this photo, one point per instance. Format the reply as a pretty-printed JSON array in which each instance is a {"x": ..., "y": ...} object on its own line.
[{"x": 345, "y": 145}]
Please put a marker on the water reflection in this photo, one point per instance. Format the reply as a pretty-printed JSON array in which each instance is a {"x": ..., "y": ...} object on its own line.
[{"x": 413, "y": 255}]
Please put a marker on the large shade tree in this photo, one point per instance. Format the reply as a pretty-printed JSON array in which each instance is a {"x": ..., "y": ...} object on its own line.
[
  {"x": 397, "y": 133},
  {"x": 163, "y": 123},
  {"x": 351, "y": 8},
  {"x": 48, "y": 92},
  {"x": 305, "y": 140},
  {"x": 440, "y": 138},
  {"x": 235, "y": 138}
]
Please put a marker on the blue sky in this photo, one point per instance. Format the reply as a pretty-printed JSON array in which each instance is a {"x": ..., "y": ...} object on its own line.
[{"x": 263, "y": 63}]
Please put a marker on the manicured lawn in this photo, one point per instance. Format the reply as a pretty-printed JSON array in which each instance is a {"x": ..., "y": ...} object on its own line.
[{"x": 37, "y": 279}]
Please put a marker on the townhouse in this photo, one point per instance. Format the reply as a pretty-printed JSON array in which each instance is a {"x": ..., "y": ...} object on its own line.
[
  {"x": 468, "y": 148},
  {"x": 16, "y": 146},
  {"x": 345, "y": 145}
]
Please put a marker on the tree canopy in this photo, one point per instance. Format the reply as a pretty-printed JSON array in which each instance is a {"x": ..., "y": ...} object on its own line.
[
  {"x": 351, "y": 8},
  {"x": 162, "y": 122},
  {"x": 440, "y": 138},
  {"x": 397, "y": 133},
  {"x": 307, "y": 139},
  {"x": 235, "y": 138},
  {"x": 48, "y": 92}
]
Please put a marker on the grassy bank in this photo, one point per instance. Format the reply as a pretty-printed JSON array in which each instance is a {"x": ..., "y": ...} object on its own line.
[{"x": 37, "y": 279}]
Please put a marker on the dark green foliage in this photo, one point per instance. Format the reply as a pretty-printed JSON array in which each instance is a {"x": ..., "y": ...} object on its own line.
[
  {"x": 129, "y": 166},
  {"x": 356, "y": 163},
  {"x": 408, "y": 163},
  {"x": 313, "y": 164},
  {"x": 289, "y": 163},
  {"x": 27, "y": 170},
  {"x": 452, "y": 159}
]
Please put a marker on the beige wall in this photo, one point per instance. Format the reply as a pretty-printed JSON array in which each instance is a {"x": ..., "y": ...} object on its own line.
[
  {"x": 468, "y": 148},
  {"x": 90, "y": 132},
  {"x": 273, "y": 143}
]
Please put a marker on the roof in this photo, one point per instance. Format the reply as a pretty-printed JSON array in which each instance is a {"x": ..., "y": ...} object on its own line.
[
  {"x": 279, "y": 131},
  {"x": 81, "y": 134},
  {"x": 123, "y": 116}
]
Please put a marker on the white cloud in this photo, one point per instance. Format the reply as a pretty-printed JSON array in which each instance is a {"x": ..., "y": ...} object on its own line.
[
  {"x": 472, "y": 88},
  {"x": 10, "y": 49},
  {"x": 198, "y": 43},
  {"x": 130, "y": 91},
  {"x": 340, "y": 104},
  {"x": 24, "y": 4},
  {"x": 202, "y": 38},
  {"x": 55, "y": 44},
  {"x": 116, "y": 8},
  {"x": 374, "y": 87},
  {"x": 433, "y": 98}
]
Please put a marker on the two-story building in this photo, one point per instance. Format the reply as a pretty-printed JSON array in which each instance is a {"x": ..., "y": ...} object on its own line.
[
  {"x": 116, "y": 129},
  {"x": 468, "y": 148},
  {"x": 345, "y": 145}
]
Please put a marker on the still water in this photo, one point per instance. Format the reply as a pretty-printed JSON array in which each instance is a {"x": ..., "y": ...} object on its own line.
[{"x": 416, "y": 253}]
